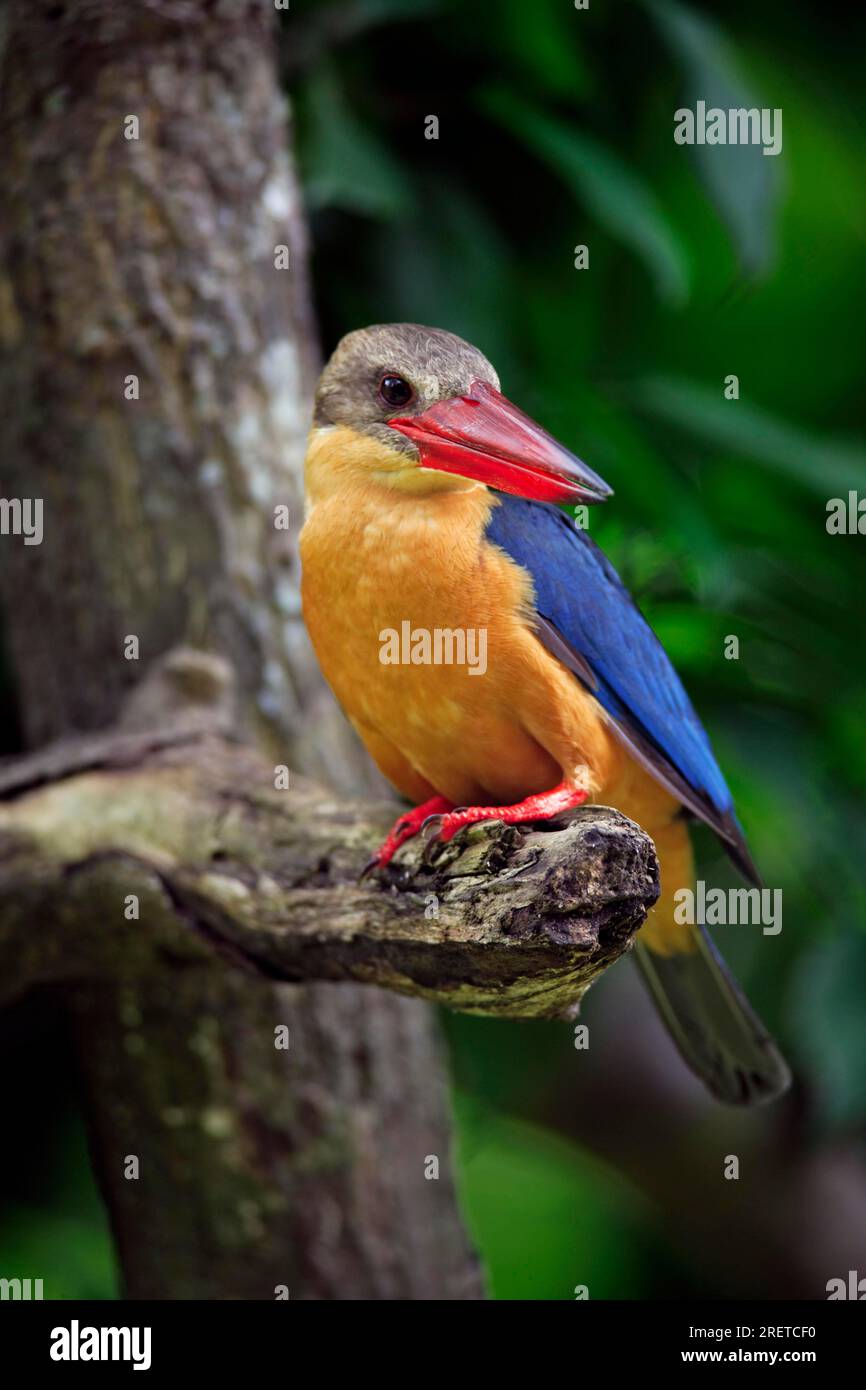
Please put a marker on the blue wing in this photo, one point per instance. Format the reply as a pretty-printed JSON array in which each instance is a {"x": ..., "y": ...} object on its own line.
[{"x": 587, "y": 618}]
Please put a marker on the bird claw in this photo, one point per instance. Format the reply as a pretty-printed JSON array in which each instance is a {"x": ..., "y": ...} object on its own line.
[
  {"x": 431, "y": 831},
  {"x": 440, "y": 830},
  {"x": 408, "y": 825},
  {"x": 371, "y": 864}
]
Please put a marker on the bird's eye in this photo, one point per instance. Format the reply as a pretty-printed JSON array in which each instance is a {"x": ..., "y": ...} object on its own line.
[{"x": 394, "y": 391}]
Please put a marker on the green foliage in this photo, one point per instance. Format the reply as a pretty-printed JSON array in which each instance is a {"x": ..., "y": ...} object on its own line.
[
  {"x": 829, "y": 989},
  {"x": 65, "y": 1243},
  {"x": 604, "y": 185},
  {"x": 570, "y": 1220},
  {"x": 353, "y": 170},
  {"x": 72, "y": 1258},
  {"x": 754, "y": 434},
  {"x": 743, "y": 184}
]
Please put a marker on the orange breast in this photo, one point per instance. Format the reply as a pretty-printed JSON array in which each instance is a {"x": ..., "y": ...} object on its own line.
[{"x": 423, "y": 631}]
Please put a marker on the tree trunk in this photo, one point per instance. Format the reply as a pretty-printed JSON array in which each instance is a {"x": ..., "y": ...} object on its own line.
[{"x": 155, "y": 366}]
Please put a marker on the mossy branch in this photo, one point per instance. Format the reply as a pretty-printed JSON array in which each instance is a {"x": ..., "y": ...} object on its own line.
[{"x": 118, "y": 851}]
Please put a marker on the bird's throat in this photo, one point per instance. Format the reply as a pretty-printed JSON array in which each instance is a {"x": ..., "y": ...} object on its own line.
[{"x": 339, "y": 458}]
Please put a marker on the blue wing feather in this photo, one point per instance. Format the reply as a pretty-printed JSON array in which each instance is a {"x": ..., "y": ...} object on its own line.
[{"x": 581, "y": 597}]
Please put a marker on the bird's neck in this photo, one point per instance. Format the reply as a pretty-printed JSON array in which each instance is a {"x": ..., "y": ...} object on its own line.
[
  {"x": 349, "y": 509},
  {"x": 341, "y": 462}
]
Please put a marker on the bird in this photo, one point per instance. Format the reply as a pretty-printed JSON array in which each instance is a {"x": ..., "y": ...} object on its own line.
[{"x": 435, "y": 505}]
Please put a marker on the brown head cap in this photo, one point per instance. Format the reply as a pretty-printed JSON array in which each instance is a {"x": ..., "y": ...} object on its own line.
[{"x": 353, "y": 389}]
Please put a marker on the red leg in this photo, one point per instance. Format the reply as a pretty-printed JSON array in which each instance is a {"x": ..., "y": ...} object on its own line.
[
  {"x": 403, "y": 830},
  {"x": 544, "y": 806}
]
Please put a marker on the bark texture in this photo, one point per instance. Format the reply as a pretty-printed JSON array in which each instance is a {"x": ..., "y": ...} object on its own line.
[
  {"x": 154, "y": 258},
  {"x": 147, "y": 265}
]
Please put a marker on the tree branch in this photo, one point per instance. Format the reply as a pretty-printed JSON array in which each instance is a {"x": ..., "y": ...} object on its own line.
[{"x": 506, "y": 921}]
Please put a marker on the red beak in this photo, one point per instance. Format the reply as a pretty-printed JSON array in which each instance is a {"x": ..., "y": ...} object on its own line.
[{"x": 484, "y": 437}]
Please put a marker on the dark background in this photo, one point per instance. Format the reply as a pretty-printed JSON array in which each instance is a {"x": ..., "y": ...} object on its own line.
[{"x": 604, "y": 1167}]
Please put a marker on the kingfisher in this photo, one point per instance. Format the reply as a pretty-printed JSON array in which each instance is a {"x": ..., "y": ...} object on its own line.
[{"x": 434, "y": 505}]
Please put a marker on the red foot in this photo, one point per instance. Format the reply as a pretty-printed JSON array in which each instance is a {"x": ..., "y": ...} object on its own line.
[
  {"x": 403, "y": 830},
  {"x": 544, "y": 806}
]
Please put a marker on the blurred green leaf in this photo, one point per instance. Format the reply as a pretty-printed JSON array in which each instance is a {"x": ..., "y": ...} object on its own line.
[
  {"x": 692, "y": 636},
  {"x": 344, "y": 164},
  {"x": 547, "y": 47},
  {"x": 446, "y": 265},
  {"x": 547, "y": 1217},
  {"x": 614, "y": 194},
  {"x": 829, "y": 991},
  {"x": 741, "y": 180},
  {"x": 827, "y": 468},
  {"x": 72, "y": 1257}
]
